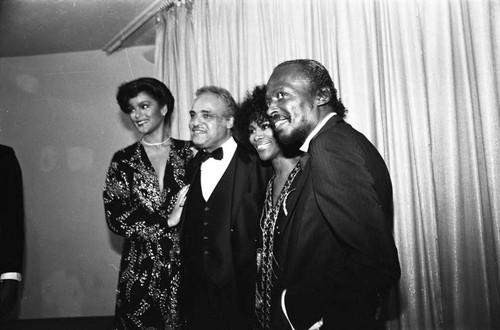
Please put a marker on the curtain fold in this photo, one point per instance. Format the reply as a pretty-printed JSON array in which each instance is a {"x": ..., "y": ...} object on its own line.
[{"x": 421, "y": 79}]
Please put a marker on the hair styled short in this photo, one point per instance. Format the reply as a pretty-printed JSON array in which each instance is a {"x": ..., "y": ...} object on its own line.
[
  {"x": 252, "y": 109},
  {"x": 151, "y": 86},
  {"x": 318, "y": 78},
  {"x": 223, "y": 94}
]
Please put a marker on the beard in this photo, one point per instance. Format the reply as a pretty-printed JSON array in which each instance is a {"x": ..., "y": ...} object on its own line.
[{"x": 293, "y": 140}]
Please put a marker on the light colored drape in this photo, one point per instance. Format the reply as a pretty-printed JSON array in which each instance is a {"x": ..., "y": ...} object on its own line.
[{"x": 421, "y": 80}]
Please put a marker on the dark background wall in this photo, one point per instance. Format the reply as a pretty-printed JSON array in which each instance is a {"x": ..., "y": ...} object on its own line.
[{"x": 59, "y": 113}]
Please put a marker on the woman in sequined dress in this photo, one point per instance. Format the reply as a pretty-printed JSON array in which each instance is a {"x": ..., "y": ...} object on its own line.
[
  {"x": 145, "y": 189},
  {"x": 253, "y": 124}
]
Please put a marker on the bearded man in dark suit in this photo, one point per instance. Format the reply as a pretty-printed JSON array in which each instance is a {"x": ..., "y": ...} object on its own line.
[
  {"x": 220, "y": 218},
  {"x": 335, "y": 249},
  {"x": 11, "y": 229}
]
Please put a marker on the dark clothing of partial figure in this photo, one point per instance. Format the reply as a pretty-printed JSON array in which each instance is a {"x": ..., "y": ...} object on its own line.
[
  {"x": 219, "y": 246},
  {"x": 11, "y": 231},
  {"x": 11, "y": 212},
  {"x": 149, "y": 279},
  {"x": 336, "y": 249}
]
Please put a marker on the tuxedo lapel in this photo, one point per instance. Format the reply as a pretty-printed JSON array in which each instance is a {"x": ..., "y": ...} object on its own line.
[
  {"x": 195, "y": 176},
  {"x": 241, "y": 175}
]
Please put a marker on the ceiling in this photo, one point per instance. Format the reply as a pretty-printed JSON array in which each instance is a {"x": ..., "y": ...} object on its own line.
[{"x": 36, "y": 27}]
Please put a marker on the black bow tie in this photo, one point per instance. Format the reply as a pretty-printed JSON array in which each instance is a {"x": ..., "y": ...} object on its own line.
[{"x": 216, "y": 154}]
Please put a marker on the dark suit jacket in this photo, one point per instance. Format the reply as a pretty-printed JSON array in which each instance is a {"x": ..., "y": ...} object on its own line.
[
  {"x": 232, "y": 260},
  {"x": 11, "y": 212},
  {"x": 336, "y": 250}
]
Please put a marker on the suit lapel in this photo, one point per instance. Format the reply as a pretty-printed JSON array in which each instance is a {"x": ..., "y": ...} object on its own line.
[
  {"x": 241, "y": 175},
  {"x": 329, "y": 124},
  {"x": 291, "y": 202},
  {"x": 196, "y": 175}
]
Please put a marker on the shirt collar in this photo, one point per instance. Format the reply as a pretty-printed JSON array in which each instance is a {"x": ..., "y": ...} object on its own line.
[
  {"x": 228, "y": 148},
  {"x": 314, "y": 132}
]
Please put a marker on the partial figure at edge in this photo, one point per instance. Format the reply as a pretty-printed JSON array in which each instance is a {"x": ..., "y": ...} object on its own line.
[{"x": 11, "y": 231}]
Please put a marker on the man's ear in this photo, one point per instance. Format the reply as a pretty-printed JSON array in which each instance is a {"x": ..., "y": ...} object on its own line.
[
  {"x": 324, "y": 96},
  {"x": 230, "y": 122}
]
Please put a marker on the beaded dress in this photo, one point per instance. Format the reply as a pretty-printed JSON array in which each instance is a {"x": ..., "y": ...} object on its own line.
[
  {"x": 149, "y": 279},
  {"x": 266, "y": 262}
]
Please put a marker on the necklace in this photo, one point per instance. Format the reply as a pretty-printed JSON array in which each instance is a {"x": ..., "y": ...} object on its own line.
[
  {"x": 268, "y": 263},
  {"x": 154, "y": 144}
]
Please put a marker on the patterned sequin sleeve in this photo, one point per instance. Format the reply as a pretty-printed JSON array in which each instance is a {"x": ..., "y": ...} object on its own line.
[
  {"x": 136, "y": 208},
  {"x": 134, "y": 205}
]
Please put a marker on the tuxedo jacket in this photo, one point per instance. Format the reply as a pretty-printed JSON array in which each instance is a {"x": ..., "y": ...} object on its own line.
[
  {"x": 335, "y": 250},
  {"x": 11, "y": 212},
  {"x": 230, "y": 264}
]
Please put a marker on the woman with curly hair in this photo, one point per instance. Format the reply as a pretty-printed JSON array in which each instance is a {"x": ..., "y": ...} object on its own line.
[{"x": 254, "y": 126}]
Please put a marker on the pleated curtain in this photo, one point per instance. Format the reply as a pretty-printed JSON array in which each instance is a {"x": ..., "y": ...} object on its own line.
[{"x": 421, "y": 79}]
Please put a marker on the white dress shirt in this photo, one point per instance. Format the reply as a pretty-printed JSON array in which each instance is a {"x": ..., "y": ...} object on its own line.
[
  {"x": 213, "y": 169},
  {"x": 315, "y": 131}
]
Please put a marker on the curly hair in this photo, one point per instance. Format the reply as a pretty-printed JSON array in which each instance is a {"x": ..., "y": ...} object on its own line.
[{"x": 253, "y": 108}]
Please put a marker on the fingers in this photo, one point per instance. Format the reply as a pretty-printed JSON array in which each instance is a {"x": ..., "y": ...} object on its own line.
[
  {"x": 317, "y": 325},
  {"x": 183, "y": 195}
]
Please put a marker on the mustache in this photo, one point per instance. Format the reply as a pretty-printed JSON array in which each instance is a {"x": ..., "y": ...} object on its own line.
[{"x": 273, "y": 118}]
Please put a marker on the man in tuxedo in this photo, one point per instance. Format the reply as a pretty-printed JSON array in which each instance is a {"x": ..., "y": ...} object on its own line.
[
  {"x": 335, "y": 249},
  {"x": 220, "y": 218},
  {"x": 11, "y": 229}
]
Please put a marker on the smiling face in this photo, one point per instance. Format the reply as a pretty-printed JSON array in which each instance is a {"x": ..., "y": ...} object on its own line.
[
  {"x": 262, "y": 139},
  {"x": 210, "y": 127},
  {"x": 293, "y": 110},
  {"x": 146, "y": 114}
]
